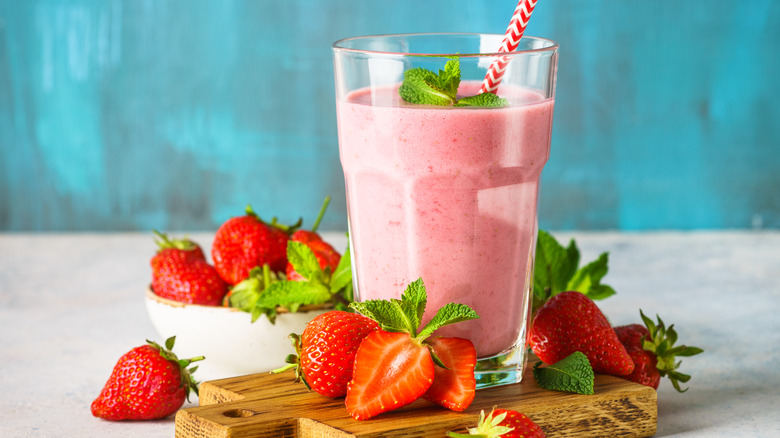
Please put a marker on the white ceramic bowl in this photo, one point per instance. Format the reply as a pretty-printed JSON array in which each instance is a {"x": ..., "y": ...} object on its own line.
[{"x": 232, "y": 344}]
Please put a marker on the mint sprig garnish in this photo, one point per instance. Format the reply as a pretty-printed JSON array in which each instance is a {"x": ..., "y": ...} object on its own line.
[
  {"x": 422, "y": 86},
  {"x": 571, "y": 374},
  {"x": 556, "y": 270},
  {"x": 264, "y": 291},
  {"x": 405, "y": 315}
]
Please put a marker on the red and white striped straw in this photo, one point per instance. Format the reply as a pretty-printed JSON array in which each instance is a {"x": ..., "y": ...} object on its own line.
[{"x": 511, "y": 39}]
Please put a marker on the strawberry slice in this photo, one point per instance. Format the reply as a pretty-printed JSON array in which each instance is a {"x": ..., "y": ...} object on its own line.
[
  {"x": 391, "y": 370},
  {"x": 453, "y": 387}
]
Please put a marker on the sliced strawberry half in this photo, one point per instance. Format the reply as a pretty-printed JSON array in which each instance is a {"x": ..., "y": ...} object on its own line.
[
  {"x": 453, "y": 387},
  {"x": 391, "y": 370}
]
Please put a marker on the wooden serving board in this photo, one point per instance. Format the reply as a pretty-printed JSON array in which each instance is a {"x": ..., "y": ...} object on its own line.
[{"x": 265, "y": 405}]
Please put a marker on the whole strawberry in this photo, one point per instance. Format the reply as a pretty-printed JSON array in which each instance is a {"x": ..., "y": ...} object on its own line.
[
  {"x": 651, "y": 347},
  {"x": 326, "y": 351},
  {"x": 503, "y": 423},
  {"x": 175, "y": 248},
  {"x": 570, "y": 322},
  {"x": 326, "y": 255},
  {"x": 147, "y": 383},
  {"x": 180, "y": 273},
  {"x": 245, "y": 242}
]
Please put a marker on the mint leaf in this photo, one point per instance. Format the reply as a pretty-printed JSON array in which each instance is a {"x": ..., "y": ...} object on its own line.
[
  {"x": 482, "y": 100},
  {"x": 389, "y": 314},
  {"x": 404, "y": 315},
  {"x": 423, "y": 87},
  {"x": 588, "y": 279},
  {"x": 413, "y": 302},
  {"x": 449, "y": 314},
  {"x": 572, "y": 374},
  {"x": 554, "y": 266},
  {"x": 263, "y": 290},
  {"x": 556, "y": 270},
  {"x": 303, "y": 260},
  {"x": 341, "y": 277},
  {"x": 449, "y": 79},
  {"x": 292, "y": 295}
]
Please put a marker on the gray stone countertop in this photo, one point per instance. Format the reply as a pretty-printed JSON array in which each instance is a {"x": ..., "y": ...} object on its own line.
[{"x": 72, "y": 304}]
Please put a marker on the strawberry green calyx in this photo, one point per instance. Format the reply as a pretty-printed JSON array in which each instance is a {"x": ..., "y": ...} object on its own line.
[
  {"x": 163, "y": 242},
  {"x": 246, "y": 294},
  {"x": 287, "y": 229},
  {"x": 487, "y": 427},
  {"x": 405, "y": 315},
  {"x": 660, "y": 341},
  {"x": 293, "y": 361},
  {"x": 187, "y": 381}
]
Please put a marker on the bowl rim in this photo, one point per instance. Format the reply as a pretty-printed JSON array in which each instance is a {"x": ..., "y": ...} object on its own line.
[{"x": 150, "y": 294}]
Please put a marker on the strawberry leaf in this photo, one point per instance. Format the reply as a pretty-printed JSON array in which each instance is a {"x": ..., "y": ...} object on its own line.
[{"x": 685, "y": 351}]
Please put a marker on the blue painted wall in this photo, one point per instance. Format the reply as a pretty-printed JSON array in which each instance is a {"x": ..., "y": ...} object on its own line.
[{"x": 174, "y": 114}]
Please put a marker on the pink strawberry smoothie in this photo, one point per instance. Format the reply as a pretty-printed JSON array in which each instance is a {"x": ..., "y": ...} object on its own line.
[{"x": 449, "y": 195}]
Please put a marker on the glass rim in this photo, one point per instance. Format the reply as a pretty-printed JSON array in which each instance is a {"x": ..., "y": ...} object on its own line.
[{"x": 338, "y": 46}]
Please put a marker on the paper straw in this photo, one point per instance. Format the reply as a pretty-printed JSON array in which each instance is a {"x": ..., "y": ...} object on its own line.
[{"x": 511, "y": 39}]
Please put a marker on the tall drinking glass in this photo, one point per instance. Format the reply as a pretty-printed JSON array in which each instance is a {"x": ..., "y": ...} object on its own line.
[{"x": 447, "y": 194}]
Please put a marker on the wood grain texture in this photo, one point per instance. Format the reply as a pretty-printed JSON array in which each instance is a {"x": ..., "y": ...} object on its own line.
[{"x": 263, "y": 405}]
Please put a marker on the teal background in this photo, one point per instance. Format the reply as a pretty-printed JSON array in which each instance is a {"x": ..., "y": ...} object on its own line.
[{"x": 174, "y": 114}]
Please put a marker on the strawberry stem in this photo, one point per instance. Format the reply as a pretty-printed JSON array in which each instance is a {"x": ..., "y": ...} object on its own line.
[
  {"x": 321, "y": 214},
  {"x": 340, "y": 299},
  {"x": 266, "y": 275}
]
